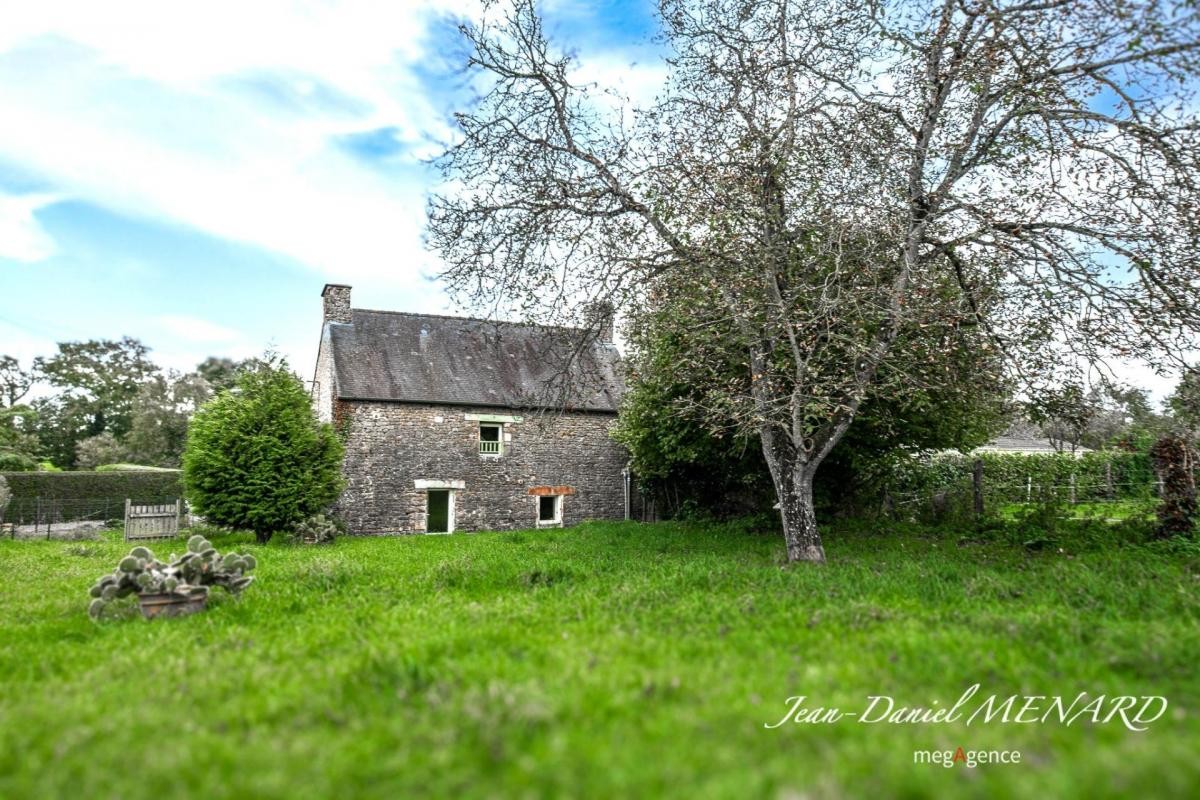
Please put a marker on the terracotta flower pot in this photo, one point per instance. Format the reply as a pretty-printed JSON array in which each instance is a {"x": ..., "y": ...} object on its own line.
[{"x": 171, "y": 605}]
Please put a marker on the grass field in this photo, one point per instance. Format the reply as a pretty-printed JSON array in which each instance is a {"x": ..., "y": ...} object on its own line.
[
  {"x": 1112, "y": 510},
  {"x": 609, "y": 660}
]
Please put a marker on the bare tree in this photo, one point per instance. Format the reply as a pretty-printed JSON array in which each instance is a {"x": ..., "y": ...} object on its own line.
[{"x": 827, "y": 174}]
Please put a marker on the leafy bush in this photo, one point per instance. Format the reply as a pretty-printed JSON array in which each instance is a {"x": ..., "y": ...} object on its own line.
[
  {"x": 103, "y": 448},
  {"x": 1173, "y": 458},
  {"x": 16, "y": 462},
  {"x": 258, "y": 459}
]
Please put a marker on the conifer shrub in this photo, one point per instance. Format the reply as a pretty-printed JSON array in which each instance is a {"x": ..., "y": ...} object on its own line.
[{"x": 257, "y": 458}]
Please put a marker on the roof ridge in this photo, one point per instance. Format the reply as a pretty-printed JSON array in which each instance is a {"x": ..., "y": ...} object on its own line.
[{"x": 471, "y": 319}]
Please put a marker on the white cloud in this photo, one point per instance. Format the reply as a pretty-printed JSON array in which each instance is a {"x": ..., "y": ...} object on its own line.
[
  {"x": 22, "y": 237},
  {"x": 149, "y": 108},
  {"x": 225, "y": 117},
  {"x": 1141, "y": 375},
  {"x": 194, "y": 329},
  {"x": 637, "y": 82}
]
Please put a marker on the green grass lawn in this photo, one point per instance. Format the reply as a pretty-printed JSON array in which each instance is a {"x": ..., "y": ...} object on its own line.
[
  {"x": 1110, "y": 510},
  {"x": 608, "y": 660}
]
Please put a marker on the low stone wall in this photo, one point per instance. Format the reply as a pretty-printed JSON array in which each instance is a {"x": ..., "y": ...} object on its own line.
[{"x": 392, "y": 446}]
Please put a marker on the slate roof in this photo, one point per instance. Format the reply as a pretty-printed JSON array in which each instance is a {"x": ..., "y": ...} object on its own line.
[{"x": 424, "y": 358}]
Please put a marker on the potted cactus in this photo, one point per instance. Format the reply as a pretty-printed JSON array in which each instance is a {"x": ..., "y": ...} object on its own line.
[
  {"x": 317, "y": 529},
  {"x": 173, "y": 588}
]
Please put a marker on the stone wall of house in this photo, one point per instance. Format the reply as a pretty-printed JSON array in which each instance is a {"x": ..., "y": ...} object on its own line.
[
  {"x": 392, "y": 446},
  {"x": 322, "y": 389}
]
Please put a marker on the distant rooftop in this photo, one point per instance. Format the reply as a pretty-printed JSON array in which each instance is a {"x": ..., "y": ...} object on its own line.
[{"x": 1023, "y": 444}]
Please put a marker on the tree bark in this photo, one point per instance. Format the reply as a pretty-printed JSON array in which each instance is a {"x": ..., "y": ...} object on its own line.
[
  {"x": 793, "y": 487},
  {"x": 800, "y": 532}
]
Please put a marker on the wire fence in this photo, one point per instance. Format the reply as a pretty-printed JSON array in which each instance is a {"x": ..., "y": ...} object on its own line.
[
  {"x": 43, "y": 517},
  {"x": 973, "y": 493}
]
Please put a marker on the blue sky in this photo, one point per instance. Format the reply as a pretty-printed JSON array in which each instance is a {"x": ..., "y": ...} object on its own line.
[{"x": 192, "y": 174}]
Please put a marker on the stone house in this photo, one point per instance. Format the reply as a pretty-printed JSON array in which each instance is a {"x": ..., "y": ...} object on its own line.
[{"x": 448, "y": 426}]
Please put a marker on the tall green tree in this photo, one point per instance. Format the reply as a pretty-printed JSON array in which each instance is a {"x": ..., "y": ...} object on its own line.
[
  {"x": 19, "y": 448},
  {"x": 98, "y": 381},
  {"x": 1184, "y": 402},
  {"x": 257, "y": 458},
  {"x": 15, "y": 381},
  {"x": 221, "y": 373},
  {"x": 161, "y": 411}
]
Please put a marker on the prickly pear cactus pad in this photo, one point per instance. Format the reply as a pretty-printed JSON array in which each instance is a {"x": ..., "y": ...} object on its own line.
[
  {"x": 317, "y": 529},
  {"x": 188, "y": 575}
]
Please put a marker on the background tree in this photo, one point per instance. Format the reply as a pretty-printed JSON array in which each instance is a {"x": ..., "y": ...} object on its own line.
[
  {"x": 98, "y": 381},
  {"x": 60, "y": 423},
  {"x": 1063, "y": 414},
  {"x": 103, "y": 448},
  {"x": 221, "y": 373},
  {"x": 1184, "y": 402},
  {"x": 18, "y": 446},
  {"x": 112, "y": 404},
  {"x": 15, "y": 382},
  {"x": 1104, "y": 415},
  {"x": 827, "y": 168},
  {"x": 161, "y": 411},
  {"x": 1125, "y": 419},
  {"x": 257, "y": 458}
]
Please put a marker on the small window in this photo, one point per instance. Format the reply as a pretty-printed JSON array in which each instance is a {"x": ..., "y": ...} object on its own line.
[
  {"x": 549, "y": 509},
  {"x": 491, "y": 439}
]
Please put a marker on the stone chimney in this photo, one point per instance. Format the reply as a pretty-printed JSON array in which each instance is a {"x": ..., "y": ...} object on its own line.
[
  {"x": 336, "y": 302},
  {"x": 600, "y": 317}
]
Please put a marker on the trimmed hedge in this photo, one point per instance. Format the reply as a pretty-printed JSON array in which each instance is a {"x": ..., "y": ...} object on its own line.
[{"x": 142, "y": 486}]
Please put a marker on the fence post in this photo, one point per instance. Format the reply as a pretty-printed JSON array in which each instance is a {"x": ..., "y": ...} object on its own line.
[
  {"x": 1108, "y": 484},
  {"x": 1072, "y": 488},
  {"x": 126, "y": 519},
  {"x": 1028, "y": 488},
  {"x": 977, "y": 481}
]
